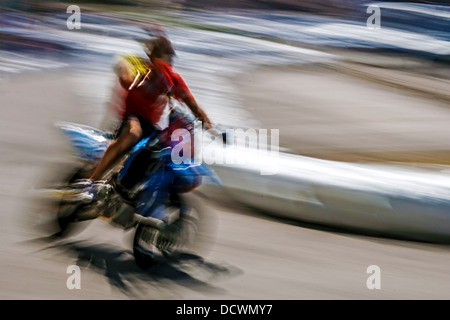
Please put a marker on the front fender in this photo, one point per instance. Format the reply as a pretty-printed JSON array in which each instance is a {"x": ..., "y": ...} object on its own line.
[{"x": 89, "y": 143}]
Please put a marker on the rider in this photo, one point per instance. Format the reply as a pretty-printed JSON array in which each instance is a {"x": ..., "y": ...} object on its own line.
[
  {"x": 127, "y": 69},
  {"x": 146, "y": 100}
]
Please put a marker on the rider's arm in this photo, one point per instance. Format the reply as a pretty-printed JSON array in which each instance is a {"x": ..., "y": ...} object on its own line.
[
  {"x": 182, "y": 92},
  {"x": 198, "y": 112}
]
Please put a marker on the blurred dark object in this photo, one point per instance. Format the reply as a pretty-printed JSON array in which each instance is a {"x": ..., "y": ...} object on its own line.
[
  {"x": 29, "y": 5},
  {"x": 326, "y": 7}
]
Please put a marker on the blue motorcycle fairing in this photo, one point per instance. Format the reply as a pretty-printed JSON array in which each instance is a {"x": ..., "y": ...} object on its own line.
[
  {"x": 154, "y": 189},
  {"x": 155, "y": 186},
  {"x": 89, "y": 143},
  {"x": 182, "y": 169},
  {"x": 194, "y": 169}
]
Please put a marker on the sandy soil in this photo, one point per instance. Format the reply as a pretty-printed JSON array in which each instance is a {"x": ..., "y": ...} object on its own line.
[
  {"x": 271, "y": 259},
  {"x": 354, "y": 111}
]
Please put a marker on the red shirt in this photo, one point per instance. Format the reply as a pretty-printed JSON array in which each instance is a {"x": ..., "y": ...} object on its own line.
[{"x": 149, "y": 98}]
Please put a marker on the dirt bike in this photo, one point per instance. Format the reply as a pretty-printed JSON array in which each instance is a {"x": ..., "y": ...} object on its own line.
[{"x": 140, "y": 193}]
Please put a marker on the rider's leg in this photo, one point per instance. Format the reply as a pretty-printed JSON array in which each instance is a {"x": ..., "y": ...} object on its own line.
[{"x": 128, "y": 137}]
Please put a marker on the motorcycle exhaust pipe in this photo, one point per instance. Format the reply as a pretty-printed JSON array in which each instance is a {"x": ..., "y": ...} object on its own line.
[
  {"x": 151, "y": 222},
  {"x": 127, "y": 217},
  {"x": 172, "y": 215}
]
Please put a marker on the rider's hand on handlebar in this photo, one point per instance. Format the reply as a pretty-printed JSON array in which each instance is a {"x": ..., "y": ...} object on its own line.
[{"x": 207, "y": 125}]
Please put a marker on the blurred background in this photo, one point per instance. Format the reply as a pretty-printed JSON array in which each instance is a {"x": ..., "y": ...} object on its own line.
[{"x": 337, "y": 89}]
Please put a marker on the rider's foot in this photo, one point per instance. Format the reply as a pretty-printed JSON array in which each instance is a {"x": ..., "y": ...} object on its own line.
[
  {"x": 87, "y": 186},
  {"x": 82, "y": 183}
]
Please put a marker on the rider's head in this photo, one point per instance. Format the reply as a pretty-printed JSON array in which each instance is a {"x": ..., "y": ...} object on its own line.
[{"x": 161, "y": 48}]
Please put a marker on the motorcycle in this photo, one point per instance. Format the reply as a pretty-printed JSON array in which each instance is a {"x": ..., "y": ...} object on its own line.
[{"x": 141, "y": 192}]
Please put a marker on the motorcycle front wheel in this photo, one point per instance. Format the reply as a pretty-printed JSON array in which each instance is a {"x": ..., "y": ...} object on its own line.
[{"x": 188, "y": 235}]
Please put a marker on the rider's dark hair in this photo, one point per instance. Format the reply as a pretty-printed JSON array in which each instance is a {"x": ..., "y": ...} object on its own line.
[{"x": 162, "y": 46}]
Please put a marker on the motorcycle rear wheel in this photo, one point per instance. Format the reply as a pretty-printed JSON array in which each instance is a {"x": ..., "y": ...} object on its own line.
[{"x": 68, "y": 214}]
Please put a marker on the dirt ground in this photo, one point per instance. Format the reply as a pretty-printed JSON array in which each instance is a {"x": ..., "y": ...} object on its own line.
[{"x": 361, "y": 109}]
